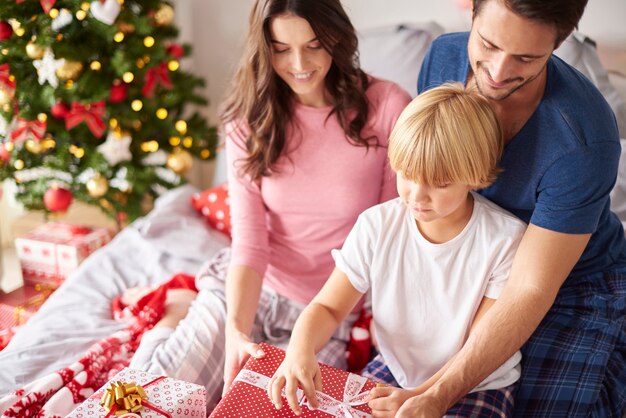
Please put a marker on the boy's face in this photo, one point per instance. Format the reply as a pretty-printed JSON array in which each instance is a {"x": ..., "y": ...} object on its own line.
[
  {"x": 434, "y": 203},
  {"x": 508, "y": 52}
]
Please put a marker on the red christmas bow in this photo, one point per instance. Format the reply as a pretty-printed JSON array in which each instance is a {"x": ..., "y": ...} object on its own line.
[
  {"x": 5, "y": 76},
  {"x": 46, "y": 5},
  {"x": 91, "y": 114},
  {"x": 29, "y": 129},
  {"x": 156, "y": 75}
]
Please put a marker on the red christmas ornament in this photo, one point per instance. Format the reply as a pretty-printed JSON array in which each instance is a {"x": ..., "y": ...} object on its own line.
[
  {"x": 60, "y": 110},
  {"x": 57, "y": 199},
  {"x": 118, "y": 94},
  {"x": 176, "y": 50},
  {"x": 6, "y": 31},
  {"x": 4, "y": 154}
]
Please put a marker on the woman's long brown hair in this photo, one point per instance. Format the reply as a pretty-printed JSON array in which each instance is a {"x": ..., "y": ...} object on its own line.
[{"x": 262, "y": 100}]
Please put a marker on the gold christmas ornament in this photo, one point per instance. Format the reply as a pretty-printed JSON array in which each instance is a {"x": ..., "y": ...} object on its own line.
[
  {"x": 97, "y": 186},
  {"x": 164, "y": 15},
  {"x": 70, "y": 70},
  {"x": 33, "y": 147},
  {"x": 6, "y": 95},
  {"x": 34, "y": 51},
  {"x": 179, "y": 161}
]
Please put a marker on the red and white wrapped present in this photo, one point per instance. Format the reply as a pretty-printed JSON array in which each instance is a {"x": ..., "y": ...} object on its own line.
[
  {"x": 133, "y": 393},
  {"x": 344, "y": 395},
  {"x": 19, "y": 305},
  {"x": 50, "y": 252}
]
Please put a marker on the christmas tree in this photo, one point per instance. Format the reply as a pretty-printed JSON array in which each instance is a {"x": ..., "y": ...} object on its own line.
[{"x": 92, "y": 104}]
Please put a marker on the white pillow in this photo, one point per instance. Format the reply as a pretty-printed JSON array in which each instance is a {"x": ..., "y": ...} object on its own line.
[{"x": 396, "y": 52}]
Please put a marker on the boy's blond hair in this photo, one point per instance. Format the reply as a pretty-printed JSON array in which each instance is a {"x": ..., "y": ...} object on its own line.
[{"x": 447, "y": 135}]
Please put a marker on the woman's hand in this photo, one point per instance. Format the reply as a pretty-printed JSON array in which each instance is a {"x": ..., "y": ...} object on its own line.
[
  {"x": 297, "y": 369},
  {"x": 239, "y": 348},
  {"x": 386, "y": 401}
]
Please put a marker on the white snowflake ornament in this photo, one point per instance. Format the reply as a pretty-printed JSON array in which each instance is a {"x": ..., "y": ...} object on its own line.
[
  {"x": 47, "y": 67},
  {"x": 116, "y": 148}
]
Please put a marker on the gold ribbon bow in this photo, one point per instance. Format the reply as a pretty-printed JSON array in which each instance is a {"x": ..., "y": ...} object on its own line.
[{"x": 124, "y": 397}]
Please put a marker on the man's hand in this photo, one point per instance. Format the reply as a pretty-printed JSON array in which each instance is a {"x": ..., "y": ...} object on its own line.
[{"x": 422, "y": 406}]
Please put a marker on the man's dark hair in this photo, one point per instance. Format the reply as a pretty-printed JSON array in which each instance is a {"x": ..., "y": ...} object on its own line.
[{"x": 563, "y": 15}]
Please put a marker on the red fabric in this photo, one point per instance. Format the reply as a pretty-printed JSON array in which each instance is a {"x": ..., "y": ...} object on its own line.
[
  {"x": 214, "y": 205},
  {"x": 59, "y": 393},
  {"x": 360, "y": 343}
]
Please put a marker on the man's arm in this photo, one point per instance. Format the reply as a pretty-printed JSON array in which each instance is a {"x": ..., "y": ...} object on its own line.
[{"x": 543, "y": 261}]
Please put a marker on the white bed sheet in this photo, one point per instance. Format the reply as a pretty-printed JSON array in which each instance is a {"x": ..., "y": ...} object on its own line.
[{"x": 172, "y": 238}]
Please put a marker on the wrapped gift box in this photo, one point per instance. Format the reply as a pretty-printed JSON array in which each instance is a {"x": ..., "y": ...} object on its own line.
[
  {"x": 50, "y": 252},
  {"x": 164, "y": 397},
  {"x": 19, "y": 305},
  {"x": 345, "y": 394}
]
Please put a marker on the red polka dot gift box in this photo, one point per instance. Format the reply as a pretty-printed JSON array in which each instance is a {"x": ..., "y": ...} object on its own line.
[
  {"x": 133, "y": 393},
  {"x": 344, "y": 394}
]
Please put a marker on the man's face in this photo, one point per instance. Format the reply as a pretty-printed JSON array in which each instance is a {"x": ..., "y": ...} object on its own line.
[{"x": 508, "y": 52}]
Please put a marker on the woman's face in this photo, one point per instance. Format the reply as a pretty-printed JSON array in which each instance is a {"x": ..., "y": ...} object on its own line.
[{"x": 300, "y": 60}]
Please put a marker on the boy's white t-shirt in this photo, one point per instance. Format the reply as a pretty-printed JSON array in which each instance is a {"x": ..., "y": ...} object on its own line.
[{"x": 425, "y": 295}]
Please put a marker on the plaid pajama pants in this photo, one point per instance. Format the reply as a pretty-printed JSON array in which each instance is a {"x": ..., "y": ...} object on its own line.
[
  {"x": 194, "y": 351},
  {"x": 497, "y": 403},
  {"x": 574, "y": 365}
]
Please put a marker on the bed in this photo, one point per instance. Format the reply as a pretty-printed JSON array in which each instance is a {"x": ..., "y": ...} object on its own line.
[{"x": 78, "y": 313}]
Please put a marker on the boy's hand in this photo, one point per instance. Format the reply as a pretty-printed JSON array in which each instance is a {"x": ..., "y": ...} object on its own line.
[
  {"x": 296, "y": 369},
  {"x": 385, "y": 401}
]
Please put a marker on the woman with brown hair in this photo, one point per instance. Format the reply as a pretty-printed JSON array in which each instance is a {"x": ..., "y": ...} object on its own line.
[{"x": 306, "y": 139}]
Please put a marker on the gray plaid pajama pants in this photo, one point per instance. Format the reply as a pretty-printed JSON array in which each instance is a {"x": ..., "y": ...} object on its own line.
[{"x": 194, "y": 351}]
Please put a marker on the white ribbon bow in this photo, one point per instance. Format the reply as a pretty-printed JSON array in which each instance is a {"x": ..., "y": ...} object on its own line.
[{"x": 352, "y": 395}]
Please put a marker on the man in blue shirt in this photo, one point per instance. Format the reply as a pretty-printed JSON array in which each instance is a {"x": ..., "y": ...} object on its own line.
[{"x": 565, "y": 301}]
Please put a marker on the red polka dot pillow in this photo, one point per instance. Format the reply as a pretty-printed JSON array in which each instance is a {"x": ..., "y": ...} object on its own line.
[{"x": 213, "y": 204}]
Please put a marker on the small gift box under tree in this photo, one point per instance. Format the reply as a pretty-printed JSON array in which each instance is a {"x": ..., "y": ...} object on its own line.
[
  {"x": 50, "y": 252},
  {"x": 19, "y": 305}
]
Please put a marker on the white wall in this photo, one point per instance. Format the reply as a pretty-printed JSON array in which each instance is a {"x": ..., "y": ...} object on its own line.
[{"x": 216, "y": 28}]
